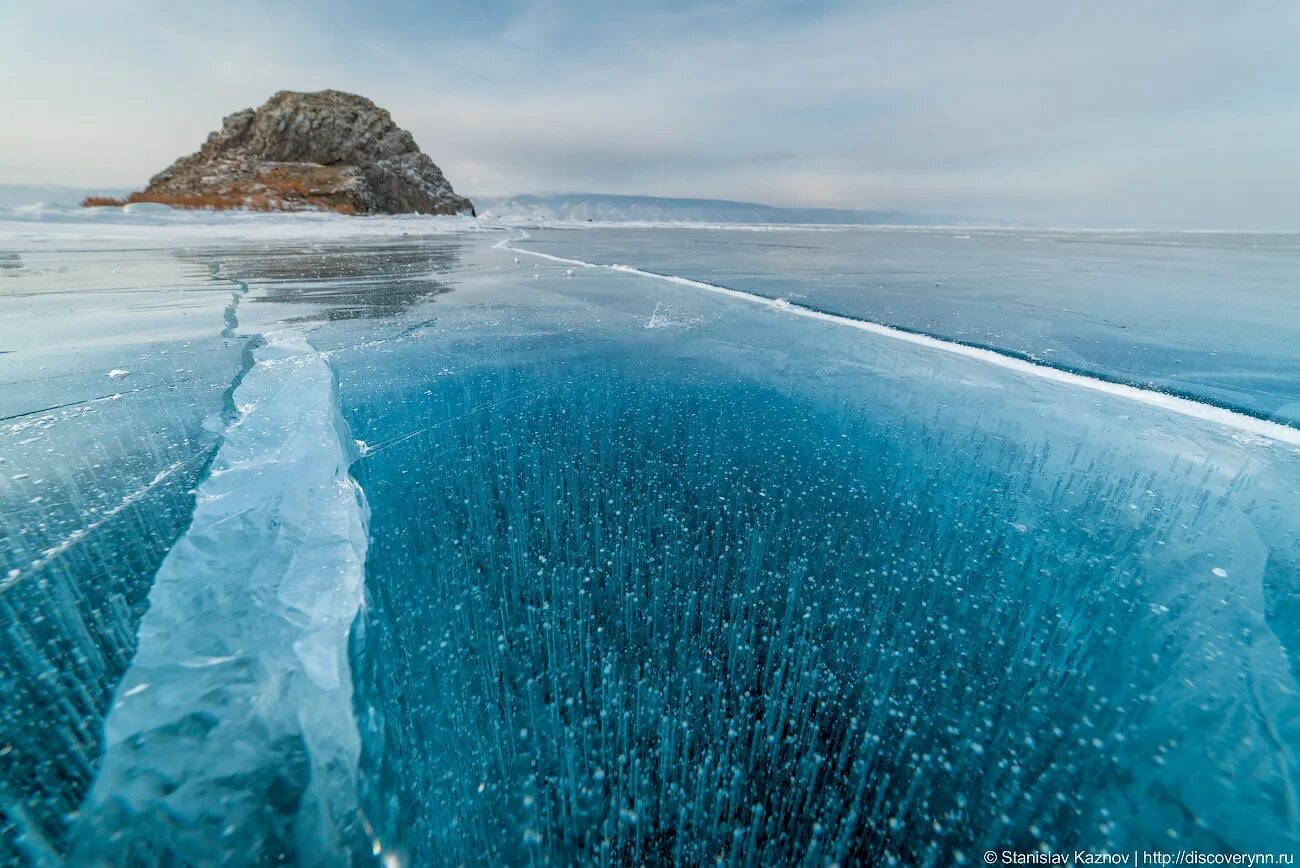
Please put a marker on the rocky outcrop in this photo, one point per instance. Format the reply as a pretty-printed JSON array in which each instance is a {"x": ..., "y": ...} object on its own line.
[{"x": 326, "y": 150}]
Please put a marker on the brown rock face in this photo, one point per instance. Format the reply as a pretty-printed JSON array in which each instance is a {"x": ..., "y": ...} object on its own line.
[{"x": 326, "y": 150}]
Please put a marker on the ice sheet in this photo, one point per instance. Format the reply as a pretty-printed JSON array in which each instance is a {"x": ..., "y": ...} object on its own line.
[
  {"x": 651, "y": 573},
  {"x": 1211, "y": 316}
]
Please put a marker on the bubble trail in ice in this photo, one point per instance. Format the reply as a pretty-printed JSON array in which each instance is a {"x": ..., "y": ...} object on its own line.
[{"x": 660, "y": 617}]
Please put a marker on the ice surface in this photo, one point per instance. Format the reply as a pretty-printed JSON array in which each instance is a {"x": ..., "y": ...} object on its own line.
[
  {"x": 744, "y": 585},
  {"x": 94, "y": 482},
  {"x": 1211, "y": 315},
  {"x": 769, "y": 591},
  {"x": 1087, "y": 381}
]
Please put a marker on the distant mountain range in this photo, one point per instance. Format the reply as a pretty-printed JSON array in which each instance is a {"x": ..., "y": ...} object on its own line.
[{"x": 604, "y": 208}]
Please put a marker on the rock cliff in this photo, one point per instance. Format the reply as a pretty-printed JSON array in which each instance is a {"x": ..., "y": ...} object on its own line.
[{"x": 326, "y": 150}]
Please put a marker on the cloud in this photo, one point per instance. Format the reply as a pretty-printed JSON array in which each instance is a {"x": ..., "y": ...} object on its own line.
[{"x": 1157, "y": 113}]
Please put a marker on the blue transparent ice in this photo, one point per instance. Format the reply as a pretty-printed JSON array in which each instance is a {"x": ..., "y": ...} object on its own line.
[
  {"x": 1211, "y": 315},
  {"x": 650, "y": 575}
]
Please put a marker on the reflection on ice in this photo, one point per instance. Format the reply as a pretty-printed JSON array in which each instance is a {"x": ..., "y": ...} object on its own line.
[{"x": 341, "y": 281}]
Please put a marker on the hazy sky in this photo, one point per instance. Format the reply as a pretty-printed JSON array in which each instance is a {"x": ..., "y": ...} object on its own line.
[{"x": 1103, "y": 113}]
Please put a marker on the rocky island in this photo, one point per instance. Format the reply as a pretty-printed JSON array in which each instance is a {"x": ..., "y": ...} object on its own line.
[{"x": 327, "y": 150}]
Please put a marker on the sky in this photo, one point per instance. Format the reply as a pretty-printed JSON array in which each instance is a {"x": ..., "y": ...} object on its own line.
[{"x": 1106, "y": 113}]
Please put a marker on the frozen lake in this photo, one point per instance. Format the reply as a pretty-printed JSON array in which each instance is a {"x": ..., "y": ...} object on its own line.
[{"x": 426, "y": 546}]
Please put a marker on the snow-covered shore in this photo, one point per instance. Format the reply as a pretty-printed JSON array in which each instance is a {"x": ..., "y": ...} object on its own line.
[{"x": 147, "y": 225}]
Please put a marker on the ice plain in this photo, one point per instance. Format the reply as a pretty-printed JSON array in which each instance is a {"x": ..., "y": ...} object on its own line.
[{"x": 650, "y": 574}]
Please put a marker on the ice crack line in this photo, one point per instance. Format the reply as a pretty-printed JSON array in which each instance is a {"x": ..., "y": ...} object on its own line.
[
  {"x": 229, "y": 414},
  {"x": 1173, "y": 403},
  {"x": 368, "y": 449},
  {"x": 231, "y": 331}
]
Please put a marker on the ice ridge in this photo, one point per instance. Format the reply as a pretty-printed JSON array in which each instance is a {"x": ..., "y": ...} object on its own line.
[{"x": 232, "y": 737}]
